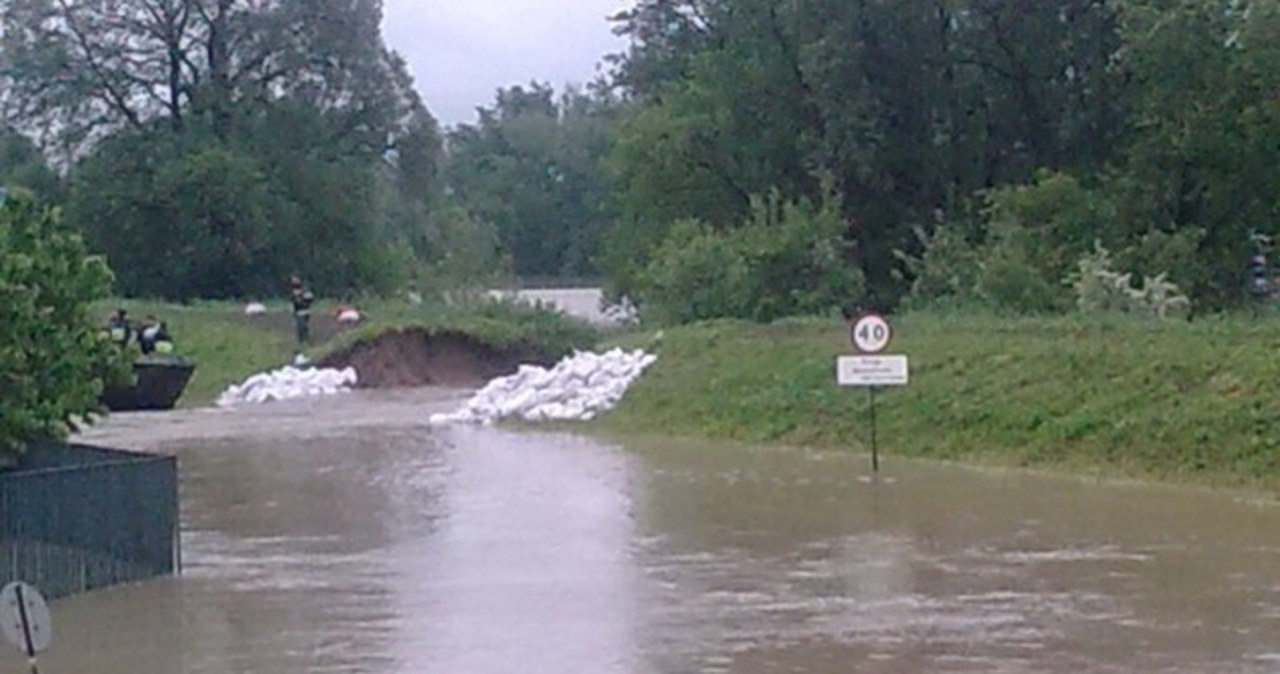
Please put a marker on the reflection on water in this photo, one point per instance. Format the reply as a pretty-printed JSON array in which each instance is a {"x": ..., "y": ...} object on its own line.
[{"x": 371, "y": 543}]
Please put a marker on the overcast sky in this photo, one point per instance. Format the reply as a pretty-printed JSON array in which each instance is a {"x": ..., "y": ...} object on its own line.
[{"x": 461, "y": 51}]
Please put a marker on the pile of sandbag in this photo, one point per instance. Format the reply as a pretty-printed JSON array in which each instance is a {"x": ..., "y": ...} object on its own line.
[
  {"x": 288, "y": 383},
  {"x": 578, "y": 388}
]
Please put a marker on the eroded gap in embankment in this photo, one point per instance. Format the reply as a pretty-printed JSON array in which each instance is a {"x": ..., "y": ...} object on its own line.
[{"x": 410, "y": 357}]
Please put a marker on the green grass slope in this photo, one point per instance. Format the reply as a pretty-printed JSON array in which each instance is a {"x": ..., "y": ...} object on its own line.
[{"x": 1185, "y": 402}]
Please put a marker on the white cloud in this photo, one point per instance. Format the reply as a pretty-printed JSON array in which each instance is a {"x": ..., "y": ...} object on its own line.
[{"x": 461, "y": 51}]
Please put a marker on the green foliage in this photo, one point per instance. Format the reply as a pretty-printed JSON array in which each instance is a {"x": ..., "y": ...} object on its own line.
[
  {"x": 915, "y": 106},
  {"x": 471, "y": 259},
  {"x": 696, "y": 273},
  {"x": 23, "y": 166},
  {"x": 947, "y": 269},
  {"x": 1148, "y": 124},
  {"x": 1100, "y": 289},
  {"x": 220, "y": 148},
  {"x": 186, "y": 216},
  {"x": 1010, "y": 279},
  {"x": 533, "y": 170},
  {"x": 788, "y": 260},
  {"x": 1051, "y": 222},
  {"x": 1176, "y": 255},
  {"x": 52, "y": 356}
]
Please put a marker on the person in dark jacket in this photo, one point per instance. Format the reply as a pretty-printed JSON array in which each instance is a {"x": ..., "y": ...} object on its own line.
[
  {"x": 153, "y": 337},
  {"x": 302, "y": 299},
  {"x": 119, "y": 329}
]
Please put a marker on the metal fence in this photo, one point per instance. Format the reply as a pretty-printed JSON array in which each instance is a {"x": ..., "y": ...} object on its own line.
[{"x": 74, "y": 518}]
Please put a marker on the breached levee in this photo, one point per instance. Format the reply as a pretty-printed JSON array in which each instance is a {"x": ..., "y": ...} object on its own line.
[
  {"x": 515, "y": 382},
  {"x": 413, "y": 356},
  {"x": 577, "y": 389}
]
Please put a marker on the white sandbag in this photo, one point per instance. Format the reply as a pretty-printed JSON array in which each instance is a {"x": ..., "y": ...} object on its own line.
[
  {"x": 579, "y": 387},
  {"x": 288, "y": 383}
]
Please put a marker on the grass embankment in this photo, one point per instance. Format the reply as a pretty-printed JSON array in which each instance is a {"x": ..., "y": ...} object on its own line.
[
  {"x": 498, "y": 324},
  {"x": 1183, "y": 402},
  {"x": 228, "y": 346}
]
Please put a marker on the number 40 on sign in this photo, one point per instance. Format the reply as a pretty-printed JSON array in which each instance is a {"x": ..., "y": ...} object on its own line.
[{"x": 871, "y": 334}]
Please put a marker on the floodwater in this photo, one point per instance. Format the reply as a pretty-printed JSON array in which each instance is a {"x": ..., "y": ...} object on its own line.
[{"x": 345, "y": 535}]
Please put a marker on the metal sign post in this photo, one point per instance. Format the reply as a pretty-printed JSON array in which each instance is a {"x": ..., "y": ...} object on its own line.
[{"x": 871, "y": 334}]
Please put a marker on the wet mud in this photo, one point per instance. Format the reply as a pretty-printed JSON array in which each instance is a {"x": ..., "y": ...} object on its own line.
[
  {"x": 346, "y": 535},
  {"x": 414, "y": 357}
]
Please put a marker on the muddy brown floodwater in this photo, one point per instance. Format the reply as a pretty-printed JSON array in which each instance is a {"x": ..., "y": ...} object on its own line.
[{"x": 345, "y": 535}]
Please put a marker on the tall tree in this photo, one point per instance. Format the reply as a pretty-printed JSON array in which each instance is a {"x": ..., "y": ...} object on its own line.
[
  {"x": 267, "y": 136},
  {"x": 912, "y": 106},
  {"x": 533, "y": 167}
]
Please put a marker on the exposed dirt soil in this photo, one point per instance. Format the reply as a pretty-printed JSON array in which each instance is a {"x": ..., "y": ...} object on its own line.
[{"x": 414, "y": 357}]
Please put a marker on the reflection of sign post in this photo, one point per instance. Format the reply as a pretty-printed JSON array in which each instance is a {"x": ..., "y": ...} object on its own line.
[
  {"x": 870, "y": 334},
  {"x": 25, "y": 621}
]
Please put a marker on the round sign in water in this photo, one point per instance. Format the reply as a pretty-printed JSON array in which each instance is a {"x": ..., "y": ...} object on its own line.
[
  {"x": 871, "y": 333},
  {"x": 24, "y": 618}
]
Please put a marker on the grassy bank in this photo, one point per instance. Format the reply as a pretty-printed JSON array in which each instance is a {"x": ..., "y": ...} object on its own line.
[
  {"x": 229, "y": 346},
  {"x": 1185, "y": 402}
]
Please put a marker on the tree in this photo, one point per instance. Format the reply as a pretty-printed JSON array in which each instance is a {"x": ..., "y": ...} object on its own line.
[
  {"x": 23, "y": 166},
  {"x": 533, "y": 167},
  {"x": 80, "y": 69},
  {"x": 1200, "y": 156},
  {"x": 914, "y": 107},
  {"x": 52, "y": 358},
  {"x": 220, "y": 145}
]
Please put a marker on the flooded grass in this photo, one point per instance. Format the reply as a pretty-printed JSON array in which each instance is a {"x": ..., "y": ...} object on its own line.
[{"x": 1183, "y": 402}]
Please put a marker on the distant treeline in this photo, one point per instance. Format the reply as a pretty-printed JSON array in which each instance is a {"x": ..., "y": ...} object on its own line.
[{"x": 742, "y": 157}]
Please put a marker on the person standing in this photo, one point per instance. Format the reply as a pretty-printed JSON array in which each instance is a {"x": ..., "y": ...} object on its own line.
[{"x": 301, "y": 298}]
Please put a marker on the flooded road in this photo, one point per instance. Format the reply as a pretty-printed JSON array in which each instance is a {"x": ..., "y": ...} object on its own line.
[{"x": 344, "y": 535}]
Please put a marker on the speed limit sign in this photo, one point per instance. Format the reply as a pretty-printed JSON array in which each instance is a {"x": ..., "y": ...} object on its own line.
[{"x": 871, "y": 333}]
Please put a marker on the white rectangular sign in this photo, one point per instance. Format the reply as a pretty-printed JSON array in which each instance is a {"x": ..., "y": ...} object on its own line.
[{"x": 871, "y": 370}]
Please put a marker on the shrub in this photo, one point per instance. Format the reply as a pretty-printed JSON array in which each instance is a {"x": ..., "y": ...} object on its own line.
[
  {"x": 696, "y": 273},
  {"x": 1101, "y": 289},
  {"x": 52, "y": 357},
  {"x": 786, "y": 260},
  {"x": 946, "y": 271},
  {"x": 1056, "y": 220},
  {"x": 1010, "y": 280}
]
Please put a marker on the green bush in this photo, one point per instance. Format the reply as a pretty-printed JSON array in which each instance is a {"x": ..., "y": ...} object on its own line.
[
  {"x": 696, "y": 273},
  {"x": 52, "y": 356},
  {"x": 945, "y": 274},
  {"x": 1101, "y": 289},
  {"x": 787, "y": 260},
  {"x": 1010, "y": 279}
]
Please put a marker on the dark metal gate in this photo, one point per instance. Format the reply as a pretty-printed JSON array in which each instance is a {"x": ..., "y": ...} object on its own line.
[{"x": 74, "y": 518}]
